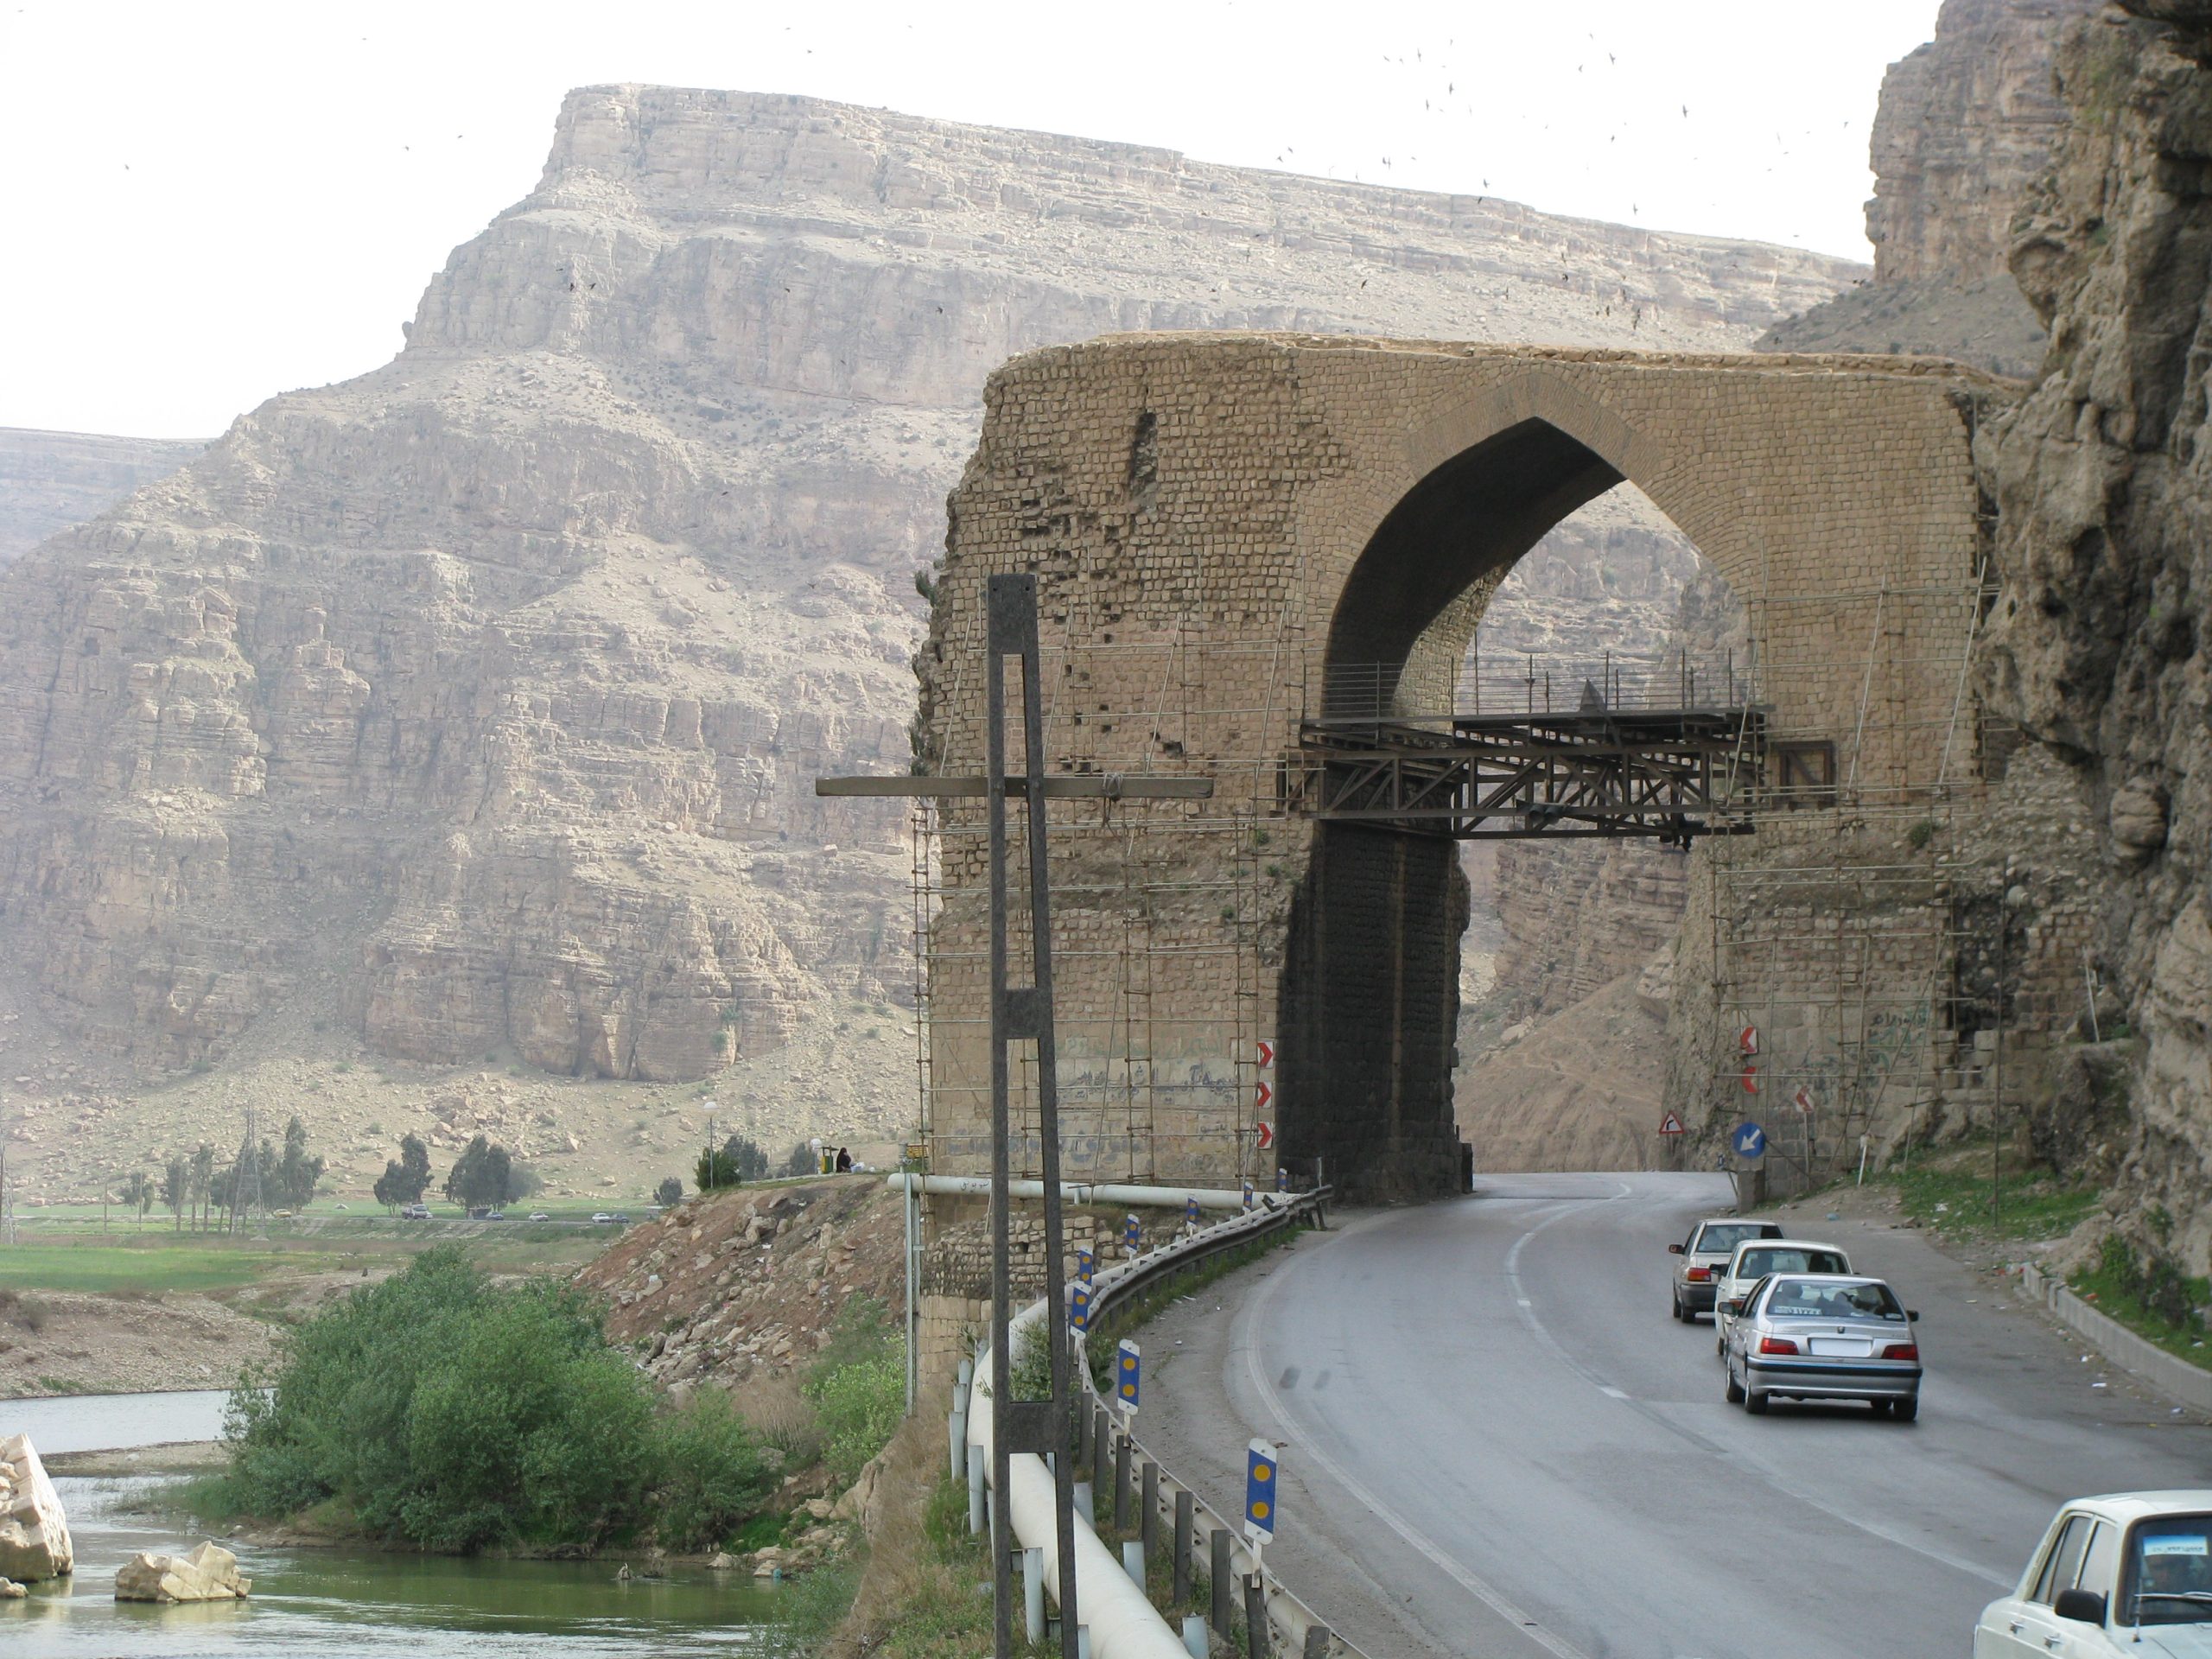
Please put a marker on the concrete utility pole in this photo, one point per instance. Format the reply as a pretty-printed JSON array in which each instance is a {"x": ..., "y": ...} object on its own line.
[{"x": 1023, "y": 1013}]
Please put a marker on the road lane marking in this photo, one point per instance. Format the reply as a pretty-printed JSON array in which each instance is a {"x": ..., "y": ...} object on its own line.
[
  {"x": 1310, "y": 1449},
  {"x": 1766, "y": 1471}
]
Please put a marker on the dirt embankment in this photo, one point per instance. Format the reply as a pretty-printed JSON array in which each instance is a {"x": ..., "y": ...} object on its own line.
[
  {"x": 747, "y": 1283},
  {"x": 60, "y": 1342}
]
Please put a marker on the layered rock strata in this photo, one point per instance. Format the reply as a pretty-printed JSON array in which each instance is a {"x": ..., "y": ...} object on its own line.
[
  {"x": 51, "y": 481},
  {"x": 2103, "y": 483},
  {"x": 474, "y": 703},
  {"x": 1965, "y": 125}
]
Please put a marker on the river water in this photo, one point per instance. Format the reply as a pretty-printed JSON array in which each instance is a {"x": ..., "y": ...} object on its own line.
[{"x": 340, "y": 1601}]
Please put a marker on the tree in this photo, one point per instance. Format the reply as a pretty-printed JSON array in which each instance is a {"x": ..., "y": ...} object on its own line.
[
  {"x": 736, "y": 1161},
  {"x": 177, "y": 1188},
  {"x": 803, "y": 1161},
  {"x": 297, "y": 1175},
  {"x": 203, "y": 1183},
  {"x": 483, "y": 1176},
  {"x": 405, "y": 1181},
  {"x": 138, "y": 1193},
  {"x": 670, "y": 1192}
]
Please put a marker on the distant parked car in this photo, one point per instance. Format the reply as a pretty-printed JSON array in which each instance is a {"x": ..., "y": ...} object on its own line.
[
  {"x": 1827, "y": 1336},
  {"x": 1752, "y": 1261},
  {"x": 539, "y": 1215},
  {"x": 416, "y": 1212},
  {"x": 602, "y": 1219},
  {"x": 1704, "y": 1253},
  {"x": 2113, "y": 1575},
  {"x": 621, "y": 1217}
]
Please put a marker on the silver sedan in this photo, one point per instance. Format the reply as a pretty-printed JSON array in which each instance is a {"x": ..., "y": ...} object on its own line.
[{"x": 1822, "y": 1336}]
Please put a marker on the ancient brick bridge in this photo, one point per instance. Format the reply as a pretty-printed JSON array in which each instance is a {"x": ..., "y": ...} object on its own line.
[{"x": 1225, "y": 527}]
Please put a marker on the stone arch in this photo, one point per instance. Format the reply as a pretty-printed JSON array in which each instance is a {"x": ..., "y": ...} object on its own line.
[
  {"x": 1189, "y": 628},
  {"x": 1369, "y": 980}
]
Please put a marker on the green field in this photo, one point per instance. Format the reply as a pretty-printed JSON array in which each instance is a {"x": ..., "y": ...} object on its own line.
[
  {"x": 58, "y": 1258},
  {"x": 189, "y": 1265}
]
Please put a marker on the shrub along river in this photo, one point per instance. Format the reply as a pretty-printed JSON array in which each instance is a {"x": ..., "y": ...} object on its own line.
[{"x": 339, "y": 1601}]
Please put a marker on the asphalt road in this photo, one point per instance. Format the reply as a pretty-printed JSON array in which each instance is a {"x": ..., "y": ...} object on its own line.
[{"x": 1497, "y": 1443}]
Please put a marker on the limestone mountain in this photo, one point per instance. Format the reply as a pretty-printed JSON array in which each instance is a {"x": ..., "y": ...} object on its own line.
[
  {"x": 50, "y": 481},
  {"x": 468, "y": 710},
  {"x": 1965, "y": 125}
]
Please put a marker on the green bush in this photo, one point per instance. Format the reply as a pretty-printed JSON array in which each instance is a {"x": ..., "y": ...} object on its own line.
[
  {"x": 858, "y": 1388},
  {"x": 714, "y": 1476},
  {"x": 440, "y": 1409}
]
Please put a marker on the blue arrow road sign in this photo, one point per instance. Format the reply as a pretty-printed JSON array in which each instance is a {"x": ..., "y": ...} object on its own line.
[
  {"x": 1127, "y": 1377},
  {"x": 1750, "y": 1141},
  {"x": 1260, "y": 1490}
]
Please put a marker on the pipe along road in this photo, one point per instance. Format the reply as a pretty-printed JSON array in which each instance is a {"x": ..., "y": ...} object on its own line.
[{"x": 1497, "y": 1443}]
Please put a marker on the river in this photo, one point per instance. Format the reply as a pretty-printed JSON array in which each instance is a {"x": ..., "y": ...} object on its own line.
[{"x": 340, "y": 1601}]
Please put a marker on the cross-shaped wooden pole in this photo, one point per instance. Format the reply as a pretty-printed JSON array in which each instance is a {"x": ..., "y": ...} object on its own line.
[{"x": 1024, "y": 1013}]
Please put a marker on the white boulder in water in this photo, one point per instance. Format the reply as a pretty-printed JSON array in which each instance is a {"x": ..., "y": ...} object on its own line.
[
  {"x": 209, "y": 1574},
  {"x": 33, "y": 1535}
]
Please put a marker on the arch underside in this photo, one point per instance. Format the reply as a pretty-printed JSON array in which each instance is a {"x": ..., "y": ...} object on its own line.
[{"x": 1369, "y": 990}]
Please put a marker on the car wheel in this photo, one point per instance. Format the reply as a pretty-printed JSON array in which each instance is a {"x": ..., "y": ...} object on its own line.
[
  {"x": 1905, "y": 1410},
  {"x": 1755, "y": 1403},
  {"x": 1735, "y": 1394},
  {"x": 1674, "y": 1302}
]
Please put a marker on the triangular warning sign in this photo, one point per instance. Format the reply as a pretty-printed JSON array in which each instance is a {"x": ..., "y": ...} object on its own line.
[{"x": 1671, "y": 1124}]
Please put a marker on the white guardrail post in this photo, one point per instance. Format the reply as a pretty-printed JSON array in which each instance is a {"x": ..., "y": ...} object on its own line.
[{"x": 1119, "y": 1621}]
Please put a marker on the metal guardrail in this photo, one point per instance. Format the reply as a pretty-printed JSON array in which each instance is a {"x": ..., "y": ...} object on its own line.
[{"x": 1294, "y": 1628}]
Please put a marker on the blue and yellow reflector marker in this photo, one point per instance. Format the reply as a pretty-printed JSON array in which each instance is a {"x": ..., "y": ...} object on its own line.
[
  {"x": 1248, "y": 1191},
  {"x": 1127, "y": 1377},
  {"x": 1079, "y": 1307},
  {"x": 1260, "y": 1491},
  {"x": 1191, "y": 1210},
  {"x": 1085, "y": 1265},
  {"x": 1133, "y": 1233},
  {"x": 1282, "y": 1178}
]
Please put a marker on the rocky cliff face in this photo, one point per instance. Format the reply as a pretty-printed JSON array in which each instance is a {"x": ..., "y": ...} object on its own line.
[
  {"x": 50, "y": 481},
  {"x": 473, "y": 705},
  {"x": 1965, "y": 125},
  {"x": 2103, "y": 481}
]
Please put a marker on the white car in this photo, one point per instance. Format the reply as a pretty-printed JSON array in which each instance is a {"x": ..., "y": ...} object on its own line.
[
  {"x": 2129, "y": 1575},
  {"x": 602, "y": 1219},
  {"x": 1754, "y": 1259}
]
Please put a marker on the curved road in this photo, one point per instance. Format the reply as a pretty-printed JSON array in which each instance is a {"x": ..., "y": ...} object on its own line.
[{"x": 1498, "y": 1443}]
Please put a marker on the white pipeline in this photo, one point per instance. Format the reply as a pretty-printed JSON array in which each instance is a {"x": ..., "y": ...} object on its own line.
[
  {"x": 1171, "y": 1197},
  {"x": 1120, "y": 1620}
]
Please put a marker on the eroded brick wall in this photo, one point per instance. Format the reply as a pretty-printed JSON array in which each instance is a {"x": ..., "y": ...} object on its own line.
[{"x": 1194, "y": 507}]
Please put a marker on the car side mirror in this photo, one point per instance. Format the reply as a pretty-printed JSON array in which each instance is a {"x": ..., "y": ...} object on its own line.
[
  {"x": 2084, "y": 1606},
  {"x": 1735, "y": 1307},
  {"x": 1912, "y": 1316},
  {"x": 1674, "y": 1249}
]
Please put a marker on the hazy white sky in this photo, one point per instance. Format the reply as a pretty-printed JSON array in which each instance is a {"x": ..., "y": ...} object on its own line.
[{"x": 208, "y": 203}]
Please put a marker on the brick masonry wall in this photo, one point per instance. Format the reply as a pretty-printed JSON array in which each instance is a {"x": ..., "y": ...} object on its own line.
[{"x": 1195, "y": 506}]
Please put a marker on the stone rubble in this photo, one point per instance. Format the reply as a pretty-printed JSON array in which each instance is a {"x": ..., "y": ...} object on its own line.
[
  {"x": 34, "y": 1533},
  {"x": 208, "y": 1574}
]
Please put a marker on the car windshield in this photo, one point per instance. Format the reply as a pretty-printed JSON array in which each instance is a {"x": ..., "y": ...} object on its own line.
[
  {"x": 1721, "y": 1236},
  {"x": 1756, "y": 1264},
  {"x": 2169, "y": 1570},
  {"x": 1814, "y": 1299}
]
